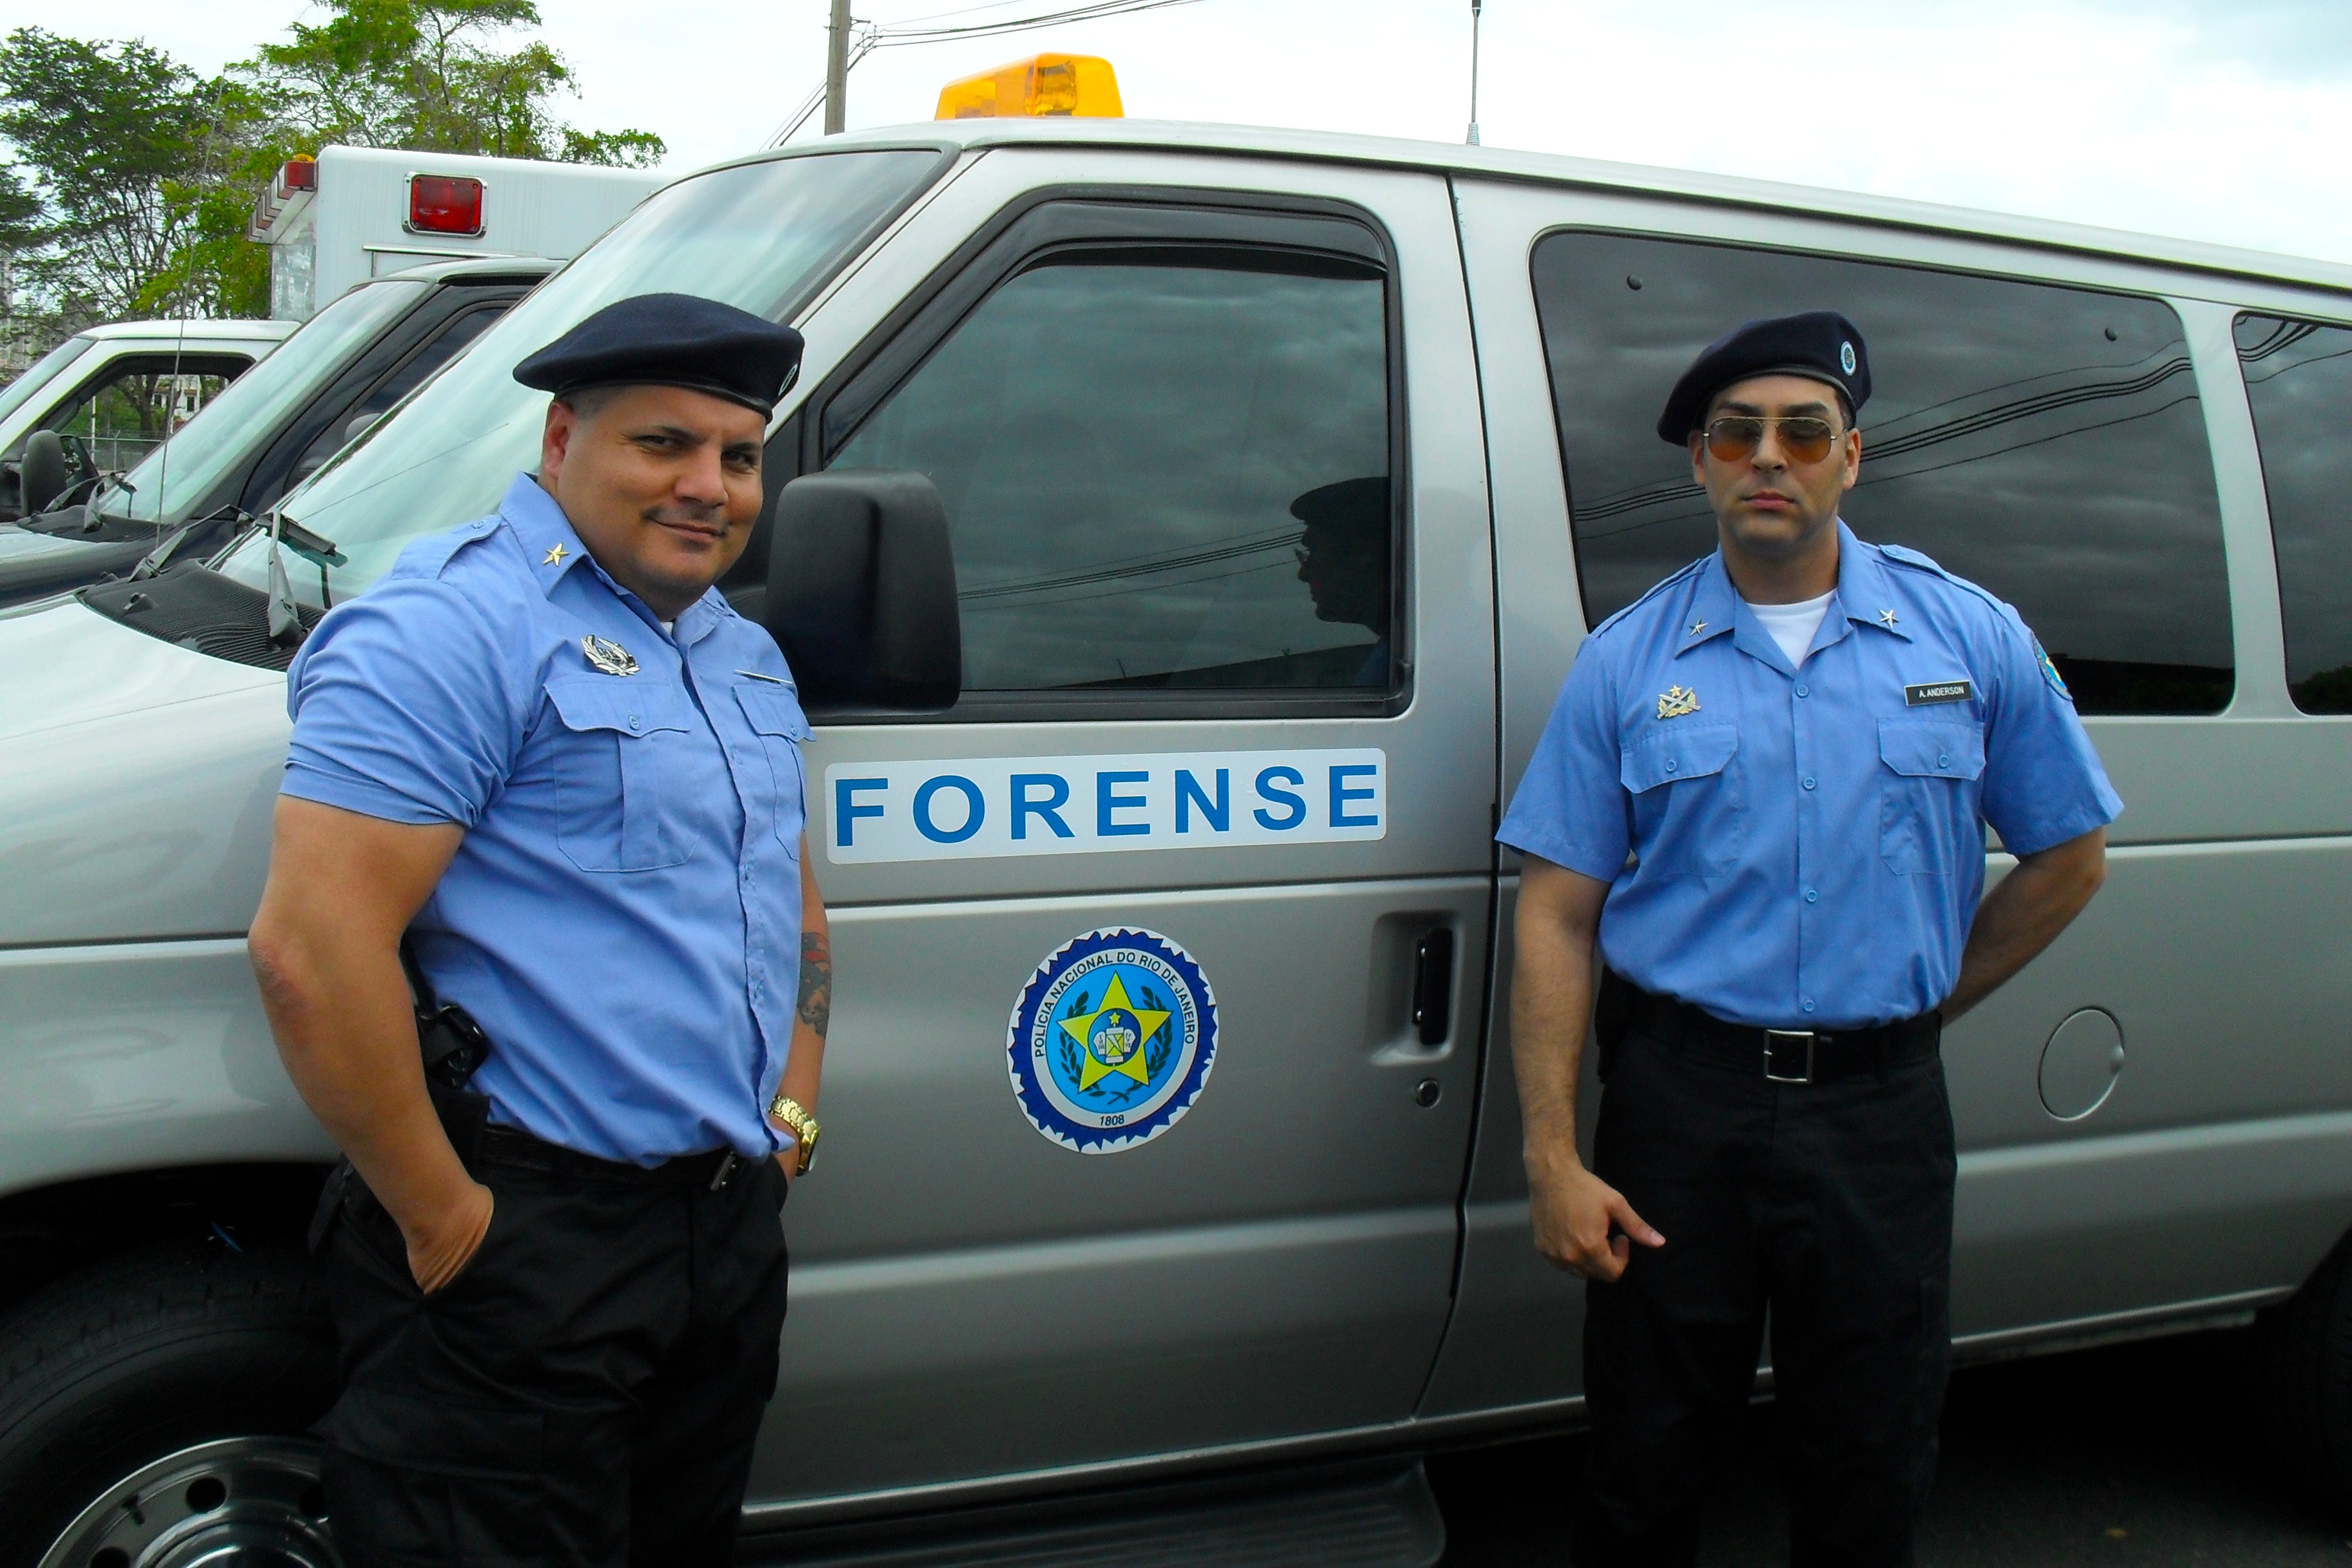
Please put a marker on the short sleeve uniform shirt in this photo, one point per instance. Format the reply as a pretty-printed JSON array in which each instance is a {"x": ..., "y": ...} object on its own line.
[
  {"x": 1803, "y": 846},
  {"x": 623, "y": 916}
]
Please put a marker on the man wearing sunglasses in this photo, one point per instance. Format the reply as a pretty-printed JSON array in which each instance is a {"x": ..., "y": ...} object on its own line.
[{"x": 1761, "y": 798}]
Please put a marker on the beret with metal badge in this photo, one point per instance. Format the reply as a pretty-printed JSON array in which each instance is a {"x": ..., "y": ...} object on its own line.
[
  {"x": 1819, "y": 345},
  {"x": 672, "y": 339}
]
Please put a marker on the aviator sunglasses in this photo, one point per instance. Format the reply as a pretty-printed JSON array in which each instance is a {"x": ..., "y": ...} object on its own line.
[{"x": 1734, "y": 437}]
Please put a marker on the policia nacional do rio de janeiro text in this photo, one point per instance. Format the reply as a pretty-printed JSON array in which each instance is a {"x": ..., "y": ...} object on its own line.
[
  {"x": 545, "y": 761},
  {"x": 1798, "y": 741}
]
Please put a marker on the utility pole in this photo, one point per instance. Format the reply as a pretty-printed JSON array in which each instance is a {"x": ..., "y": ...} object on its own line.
[
  {"x": 1475, "y": 6},
  {"x": 836, "y": 72}
]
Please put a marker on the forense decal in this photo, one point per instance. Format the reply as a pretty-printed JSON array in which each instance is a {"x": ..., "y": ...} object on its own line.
[
  {"x": 979, "y": 806},
  {"x": 1938, "y": 691},
  {"x": 1112, "y": 1040}
]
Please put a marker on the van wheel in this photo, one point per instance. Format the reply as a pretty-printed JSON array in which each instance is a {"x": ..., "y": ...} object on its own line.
[
  {"x": 152, "y": 1411},
  {"x": 2306, "y": 1382}
]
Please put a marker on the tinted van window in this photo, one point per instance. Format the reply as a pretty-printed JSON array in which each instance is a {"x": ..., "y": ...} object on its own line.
[
  {"x": 1162, "y": 470},
  {"x": 2045, "y": 442},
  {"x": 2299, "y": 380}
]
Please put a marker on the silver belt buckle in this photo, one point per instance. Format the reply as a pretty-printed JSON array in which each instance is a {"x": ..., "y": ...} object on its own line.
[{"x": 1774, "y": 1040}]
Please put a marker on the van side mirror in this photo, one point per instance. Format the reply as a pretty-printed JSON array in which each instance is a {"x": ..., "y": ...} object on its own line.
[
  {"x": 42, "y": 474},
  {"x": 862, "y": 592}
]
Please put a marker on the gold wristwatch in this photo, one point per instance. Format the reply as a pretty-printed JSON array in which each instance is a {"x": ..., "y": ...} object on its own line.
[{"x": 790, "y": 1111}]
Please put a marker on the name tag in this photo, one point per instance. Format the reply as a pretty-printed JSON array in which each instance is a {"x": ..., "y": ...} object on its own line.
[{"x": 1938, "y": 691}]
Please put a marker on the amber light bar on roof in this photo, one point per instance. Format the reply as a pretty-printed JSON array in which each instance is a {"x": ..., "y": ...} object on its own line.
[{"x": 1042, "y": 84}]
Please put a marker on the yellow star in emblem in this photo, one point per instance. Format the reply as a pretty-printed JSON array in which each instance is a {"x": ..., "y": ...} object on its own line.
[
  {"x": 1121, "y": 1048},
  {"x": 554, "y": 556}
]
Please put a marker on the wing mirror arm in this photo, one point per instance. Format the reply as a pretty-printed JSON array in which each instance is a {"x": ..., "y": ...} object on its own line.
[{"x": 861, "y": 593}]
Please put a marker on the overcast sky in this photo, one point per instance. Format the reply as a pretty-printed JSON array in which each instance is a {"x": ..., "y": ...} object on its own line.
[{"x": 2222, "y": 122}]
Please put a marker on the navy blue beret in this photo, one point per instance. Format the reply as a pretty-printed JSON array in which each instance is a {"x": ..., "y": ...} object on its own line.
[
  {"x": 1820, "y": 344},
  {"x": 672, "y": 339}
]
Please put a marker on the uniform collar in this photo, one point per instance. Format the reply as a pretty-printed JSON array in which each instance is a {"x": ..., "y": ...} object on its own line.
[
  {"x": 1713, "y": 609},
  {"x": 553, "y": 548},
  {"x": 1863, "y": 591},
  {"x": 547, "y": 535},
  {"x": 1862, "y": 597}
]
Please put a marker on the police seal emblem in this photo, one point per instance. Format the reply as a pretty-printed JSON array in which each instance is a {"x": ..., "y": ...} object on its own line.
[
  {"x": 610, "y": 657},
  {"x": 1112, "y": 1040}
]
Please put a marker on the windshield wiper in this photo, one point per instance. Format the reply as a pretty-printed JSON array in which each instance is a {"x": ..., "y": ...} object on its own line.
[
  {"x": 156, "y": 559},
  {"x": 306, "y": 543}
]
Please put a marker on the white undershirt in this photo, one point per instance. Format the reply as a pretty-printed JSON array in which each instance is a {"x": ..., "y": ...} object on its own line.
[{"x": 1793, "y": 626}]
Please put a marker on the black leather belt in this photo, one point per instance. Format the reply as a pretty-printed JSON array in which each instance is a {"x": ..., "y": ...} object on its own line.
[
  {"x": 1786, "y": 1056},
  {"x": 513, "y": 1147}
]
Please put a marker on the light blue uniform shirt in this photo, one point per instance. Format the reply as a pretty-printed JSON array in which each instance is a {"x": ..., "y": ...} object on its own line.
[
  {"x": 1808, "y": 843},
  {"x": 624, "y": 915}
]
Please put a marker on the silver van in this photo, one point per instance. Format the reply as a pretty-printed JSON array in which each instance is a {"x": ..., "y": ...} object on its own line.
[{"x": 1282, "y": 475}]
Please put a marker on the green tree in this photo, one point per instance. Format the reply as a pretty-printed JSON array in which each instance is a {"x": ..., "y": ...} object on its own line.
[
  {"x": 431, "y": 74},
  {"x": 123, "y": 160}
]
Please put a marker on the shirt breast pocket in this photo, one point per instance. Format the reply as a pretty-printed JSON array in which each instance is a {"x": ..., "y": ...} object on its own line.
[
  {"x": 774, "y": 713},
  {"x": 1930, "y": 773},
  {"x": 614, "y": 764},
  {"x": 1690, "y": 815}
]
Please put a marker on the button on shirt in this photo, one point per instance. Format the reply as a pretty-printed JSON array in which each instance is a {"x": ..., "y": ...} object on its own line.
[
  {"x": 623, "y": 917},
  {"x": 1807, "y": 839}
]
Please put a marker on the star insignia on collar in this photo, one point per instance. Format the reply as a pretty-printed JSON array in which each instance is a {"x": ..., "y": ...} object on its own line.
[
  {"x": 1696, "y": 627},
  {"x": 554, "y": 556},
  {"x": 1887, "y": 618}
]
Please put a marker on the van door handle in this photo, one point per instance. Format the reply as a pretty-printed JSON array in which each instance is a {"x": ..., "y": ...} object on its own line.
[{"x": 1432, "y": 987}]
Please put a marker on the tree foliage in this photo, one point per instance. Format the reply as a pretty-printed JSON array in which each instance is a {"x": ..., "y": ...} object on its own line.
[
  {"x": 429, "y": 74},
  {"x": 118, "y": 152},
  {"x": 130, "y": 178}
]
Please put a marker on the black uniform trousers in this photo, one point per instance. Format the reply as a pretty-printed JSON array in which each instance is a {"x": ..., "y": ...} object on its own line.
[
  {"x": 1829, "y": 1204},
  {"x": 586, "y": 1392}
]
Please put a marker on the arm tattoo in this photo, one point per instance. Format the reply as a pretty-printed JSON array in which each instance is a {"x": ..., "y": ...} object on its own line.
[{"x": 816, "y": 983}]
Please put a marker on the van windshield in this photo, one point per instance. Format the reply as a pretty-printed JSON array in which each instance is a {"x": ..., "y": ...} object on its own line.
[
  {"x": 761, "y": 237},
  {"x": 42, "y": 373},
  {"x": 251, "y": 408}
]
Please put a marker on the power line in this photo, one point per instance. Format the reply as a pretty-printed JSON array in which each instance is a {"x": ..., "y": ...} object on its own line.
[{"x": 868, "y": 36}]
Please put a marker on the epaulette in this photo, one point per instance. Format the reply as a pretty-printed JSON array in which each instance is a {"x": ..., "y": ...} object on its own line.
[
  {"x": 1911, "y": 557},
  {"x": 430, "y": 556},
  {"x": 1904, "y": 555},
  {"x": 1659, "y": 587}
]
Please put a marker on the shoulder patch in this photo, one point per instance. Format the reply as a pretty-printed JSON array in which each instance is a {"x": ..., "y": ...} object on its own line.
[
  {"x": 430, "y": 556},
  {"x": 2049, "y": 676},
  {"x": 1661, "y": 586}
]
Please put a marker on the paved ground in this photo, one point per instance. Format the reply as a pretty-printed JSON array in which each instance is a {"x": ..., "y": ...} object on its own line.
[{"x": 2137, "y": 1454}]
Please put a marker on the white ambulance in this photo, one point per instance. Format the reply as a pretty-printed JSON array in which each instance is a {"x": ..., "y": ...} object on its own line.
[{"x": 356, "y": 213}]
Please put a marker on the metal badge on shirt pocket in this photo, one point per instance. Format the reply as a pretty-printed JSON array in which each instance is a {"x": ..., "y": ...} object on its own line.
[
  {"x": 773, "y": 711},
  {"x": 610, "y": 767}
]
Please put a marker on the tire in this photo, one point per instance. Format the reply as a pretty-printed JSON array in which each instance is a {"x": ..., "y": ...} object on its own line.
[
  {"x": 163, "y": 1394},
  {"x": 2306, "y": 1382}
]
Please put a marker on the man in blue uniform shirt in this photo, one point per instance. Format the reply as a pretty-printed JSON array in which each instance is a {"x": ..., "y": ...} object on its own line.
[
  {"x": 1762, "y": 798},
  {"x": 544, "y": 760}
]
